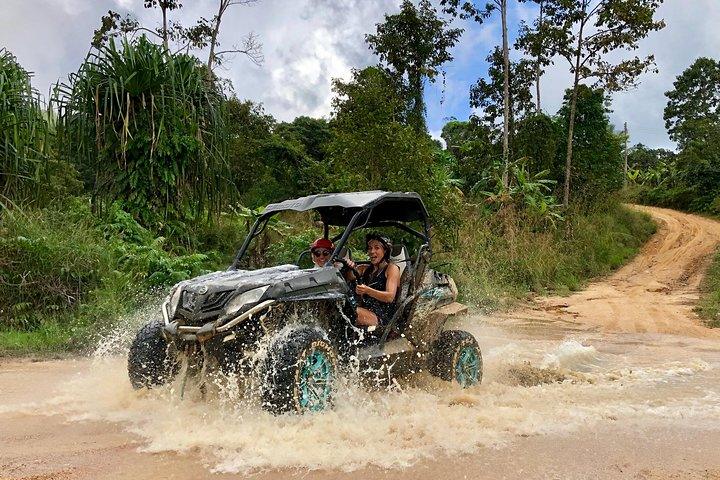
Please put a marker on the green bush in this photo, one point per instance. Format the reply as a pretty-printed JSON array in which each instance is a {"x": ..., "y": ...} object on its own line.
[
  {"x": 68, "y": 264},
  {"x": 709, "y": 305}
]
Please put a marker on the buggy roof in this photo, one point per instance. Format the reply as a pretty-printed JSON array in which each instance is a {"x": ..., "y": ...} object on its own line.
[{"x": 338, "y": 208}]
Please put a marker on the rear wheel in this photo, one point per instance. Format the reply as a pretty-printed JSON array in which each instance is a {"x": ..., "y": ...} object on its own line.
[
  {"x": 148, "y": 362},
  {"x": 299, "y": 371},
  {"x": 455, "y": 356}
]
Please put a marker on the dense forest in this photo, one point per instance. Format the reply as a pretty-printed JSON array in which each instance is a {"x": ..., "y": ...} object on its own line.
[{"x": 145, "y": 167}]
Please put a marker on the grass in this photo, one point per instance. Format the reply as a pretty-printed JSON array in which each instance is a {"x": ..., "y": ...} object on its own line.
[
  {"x": 708, "y": 308},
  {"x": 49, "y": 338},
  {"x": 505, "y": 257},
  {"x": 65, "y": 272}
]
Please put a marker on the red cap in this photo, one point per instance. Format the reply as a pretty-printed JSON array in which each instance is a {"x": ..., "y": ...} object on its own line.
[{"x": 322, "y": 243}]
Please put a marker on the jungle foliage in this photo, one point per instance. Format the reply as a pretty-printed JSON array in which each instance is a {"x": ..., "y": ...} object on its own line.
[
  {"x": 690, "y": 178},
  {"x": 27, "y": 127},
  {"x": 146, "y": 129}
]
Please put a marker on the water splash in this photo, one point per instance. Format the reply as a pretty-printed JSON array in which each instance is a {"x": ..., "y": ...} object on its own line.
[{"x": 531, "y": 387}]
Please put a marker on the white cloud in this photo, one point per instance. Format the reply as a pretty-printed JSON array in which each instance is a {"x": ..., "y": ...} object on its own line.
[{"x": 306, "y": 43}]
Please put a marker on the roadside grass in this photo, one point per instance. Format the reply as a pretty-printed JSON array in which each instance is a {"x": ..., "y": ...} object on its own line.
[
  {"x": 48, "y": 339},
  {"x": 507, "y": 257},
  {"x": 708, "y": 307},
  {"x": 66, "y": 272}
]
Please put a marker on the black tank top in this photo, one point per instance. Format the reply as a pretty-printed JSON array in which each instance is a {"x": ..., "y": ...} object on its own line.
[{"x": 383, "y": 310}]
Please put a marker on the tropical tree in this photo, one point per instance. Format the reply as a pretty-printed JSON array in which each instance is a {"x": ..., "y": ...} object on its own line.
[
  {"x": 643, "y": 158},
  {"x": 413, "y": 44},
  {"x": 587, "y": 33},
  {"x": 489, "y": 95},
  {"x": 597, "y": 168},
  {"x": 693, "y": 107},
  {"x": 538, "y": 140},
  {"x": 373, "y": 148},
  {"x": 470, "y": 9},
  {"x": 470, "y": 143},
  {"x": 147, "y": 130},
  {"x": 313, "y": 133}
]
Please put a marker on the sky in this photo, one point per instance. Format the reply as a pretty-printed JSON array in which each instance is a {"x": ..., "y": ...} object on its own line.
[{"x": 307, "y": 43}]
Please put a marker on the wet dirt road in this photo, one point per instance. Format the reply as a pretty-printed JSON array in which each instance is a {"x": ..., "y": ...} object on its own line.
[{"x": 617, "y": 381}]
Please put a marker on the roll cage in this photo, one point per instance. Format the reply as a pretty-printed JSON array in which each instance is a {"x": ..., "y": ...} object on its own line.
[{"x": 353, "y": 211}]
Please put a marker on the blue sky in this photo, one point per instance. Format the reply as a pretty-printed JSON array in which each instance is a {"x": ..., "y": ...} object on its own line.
[{"x": 308, "y": 42}]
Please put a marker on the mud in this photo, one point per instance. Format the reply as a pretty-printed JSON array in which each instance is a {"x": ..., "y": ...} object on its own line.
[{"x": 618, "y": 381}]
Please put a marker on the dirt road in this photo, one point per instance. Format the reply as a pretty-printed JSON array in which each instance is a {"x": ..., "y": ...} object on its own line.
[{"x": 617, "y": 381}]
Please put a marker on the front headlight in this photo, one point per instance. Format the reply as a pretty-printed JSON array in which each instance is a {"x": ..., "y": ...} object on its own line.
[
  {"x": 251, "y": 296},
  {"x": 173, "y": 300}
]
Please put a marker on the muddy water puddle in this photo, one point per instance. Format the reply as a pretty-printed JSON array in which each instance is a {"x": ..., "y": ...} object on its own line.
[{"x": 538, "y": 381}]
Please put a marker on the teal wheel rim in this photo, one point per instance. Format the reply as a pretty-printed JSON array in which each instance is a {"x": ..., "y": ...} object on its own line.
[
  {"x": 315, "y": 381},
  {"x": 467, "y": 367}
]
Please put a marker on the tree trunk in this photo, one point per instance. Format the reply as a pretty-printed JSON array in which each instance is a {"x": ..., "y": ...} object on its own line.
[
  {"x": 164, "y": 27},
  {"x": 537, "y": 63},
  {"x": 213, "y": 39},
  {"x": 625, "y": 155},
  {"x": 571, "y": 123},
  {"x": 506, "y": 94},
  {"x": 418, "y": 110}
]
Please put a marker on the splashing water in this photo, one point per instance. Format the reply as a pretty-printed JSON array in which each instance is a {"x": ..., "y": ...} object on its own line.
[{"x": 530, "y": 387}]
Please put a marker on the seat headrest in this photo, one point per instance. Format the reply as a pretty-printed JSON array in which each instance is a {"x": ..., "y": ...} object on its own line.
[
  {"x": 399, "y": 256},
  {"x": 397, "y": 249}
]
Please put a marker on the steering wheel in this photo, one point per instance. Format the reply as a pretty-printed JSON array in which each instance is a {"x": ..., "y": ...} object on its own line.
[{"x": 345, "y": 264}]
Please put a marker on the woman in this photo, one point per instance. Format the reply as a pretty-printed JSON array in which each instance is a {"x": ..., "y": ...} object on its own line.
[{"x": 380, "y": 283}]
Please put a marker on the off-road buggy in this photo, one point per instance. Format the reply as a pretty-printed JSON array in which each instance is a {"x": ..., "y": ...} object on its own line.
[{"x": 298, "y": 324}]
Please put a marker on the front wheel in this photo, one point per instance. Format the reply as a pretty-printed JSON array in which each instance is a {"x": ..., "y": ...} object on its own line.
[
  {"x": 455, "y": 356},
  {"x": 299, "y": 371},
  {"x": 148, "y": 362}
]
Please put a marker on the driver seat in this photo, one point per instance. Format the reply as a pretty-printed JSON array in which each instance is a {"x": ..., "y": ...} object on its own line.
[{"x": 399, "y": 256}]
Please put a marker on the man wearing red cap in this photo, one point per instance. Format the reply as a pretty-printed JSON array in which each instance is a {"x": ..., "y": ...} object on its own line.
[{"x": 321, "y": 249}]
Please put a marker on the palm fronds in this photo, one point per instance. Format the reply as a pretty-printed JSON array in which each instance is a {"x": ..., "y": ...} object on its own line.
[
  {"x": 147, "y": 129},
  {"x": 24, "y": 134}
]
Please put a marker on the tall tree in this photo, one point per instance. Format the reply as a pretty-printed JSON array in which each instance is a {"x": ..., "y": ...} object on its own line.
[
  {"x": 112, "y": 25},
  {"x": 587, "y": 33},
  {"x": 489, "y": 95},
  {"x": 205, "y": 33},
  {"x": 413, "y": 44},
  {"x": 372, "y": 146},
  {"x": 533, "y": 43},
  {"x": 469, "y": 9},
  {"x": 471, "y": 146},
  {"x": 597, "y": 170},
  {"x": 694, "y": 102}
]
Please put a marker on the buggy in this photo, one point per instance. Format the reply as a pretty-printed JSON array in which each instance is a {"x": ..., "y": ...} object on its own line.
[{"x": 298, "y": 324}]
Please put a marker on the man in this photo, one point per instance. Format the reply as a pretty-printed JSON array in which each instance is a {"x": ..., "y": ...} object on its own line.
[{"x": 321, "y": 249}]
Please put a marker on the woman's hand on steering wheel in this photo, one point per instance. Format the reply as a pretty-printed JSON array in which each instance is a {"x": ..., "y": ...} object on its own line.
[{"x": 350, "y": 265}]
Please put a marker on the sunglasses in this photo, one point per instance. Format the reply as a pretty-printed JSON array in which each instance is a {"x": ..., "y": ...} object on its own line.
[{"x": 318, "y": 252}]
